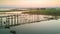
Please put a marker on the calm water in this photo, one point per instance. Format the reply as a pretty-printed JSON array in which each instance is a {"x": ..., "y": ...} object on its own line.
[{"x": 44, "y": 27}]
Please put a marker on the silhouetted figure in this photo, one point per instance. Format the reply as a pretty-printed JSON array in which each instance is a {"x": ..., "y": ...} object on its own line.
[
  {"x": 51, "y": 18},
  {"x": 7, "y": 27},
  {"x": 13, "y": 31},
  {"x": 4, "y": 22}
]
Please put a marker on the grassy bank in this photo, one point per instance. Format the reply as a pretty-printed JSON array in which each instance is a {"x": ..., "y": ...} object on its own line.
[
  {"x": 5, "y": 11},
  {"x": 44, "y": 12}
]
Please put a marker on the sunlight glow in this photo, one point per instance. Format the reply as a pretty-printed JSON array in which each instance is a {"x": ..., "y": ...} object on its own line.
[{"x": 31, "y": 3}]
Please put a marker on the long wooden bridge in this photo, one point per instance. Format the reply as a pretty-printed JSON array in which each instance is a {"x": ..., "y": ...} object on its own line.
[
  {"x": 9, "y": 20},
  {"x": 13, "y": 20}
]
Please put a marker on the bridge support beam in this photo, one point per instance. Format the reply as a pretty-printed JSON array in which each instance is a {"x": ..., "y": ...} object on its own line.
[
  {"x": 17, "y": 19},
  {"x": 12, "y": 21},
  {"x": 1, "y": 22}
]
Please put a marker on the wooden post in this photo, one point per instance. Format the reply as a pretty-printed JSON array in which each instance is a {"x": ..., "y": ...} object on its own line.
[
  {"x": 56, "y": 17},
  {"x": 7, "y": 22},
  {"x": 17, "y": 19},
  {"x": 1, "y": 22},
  {"x": 11, "y": 20},
  {"x": 14, "y": 19},
  {"x": 38, "y": 20},
  {"x": 48, "y": 18},
  {"x": 8, "y": 18}
]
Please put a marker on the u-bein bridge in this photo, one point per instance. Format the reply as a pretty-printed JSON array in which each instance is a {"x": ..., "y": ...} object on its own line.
[
  {"x": 14, "y": 20},
  {"x": 9, "y": 20}
]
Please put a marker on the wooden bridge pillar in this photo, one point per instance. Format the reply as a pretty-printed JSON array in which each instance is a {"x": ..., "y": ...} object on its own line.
[
  {"x": 1, "y": 21},
  {"x": 12, "y": 20},
  {"x": 56, "y": 17},
  {"x": 17, "y": 19},
  {"x": 7, "y": 22}
]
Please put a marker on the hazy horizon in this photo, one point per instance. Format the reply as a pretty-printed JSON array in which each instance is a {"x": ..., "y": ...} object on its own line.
[{"x": 29, "y": 3}]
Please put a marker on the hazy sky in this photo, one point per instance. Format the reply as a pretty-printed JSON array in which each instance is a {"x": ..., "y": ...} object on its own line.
[{"x": 29, "y": 3}]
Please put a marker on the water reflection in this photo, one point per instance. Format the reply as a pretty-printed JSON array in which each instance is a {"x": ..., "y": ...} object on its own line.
[{"x": 43, "y": 27}]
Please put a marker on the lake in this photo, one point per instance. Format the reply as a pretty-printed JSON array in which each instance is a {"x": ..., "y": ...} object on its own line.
[{"x": 44, "y": 27}]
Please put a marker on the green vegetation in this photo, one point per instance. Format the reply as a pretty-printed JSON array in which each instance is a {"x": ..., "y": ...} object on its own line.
[
  {"x": 5, "y": 11},
  {"x": 45, "y": 12}
]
